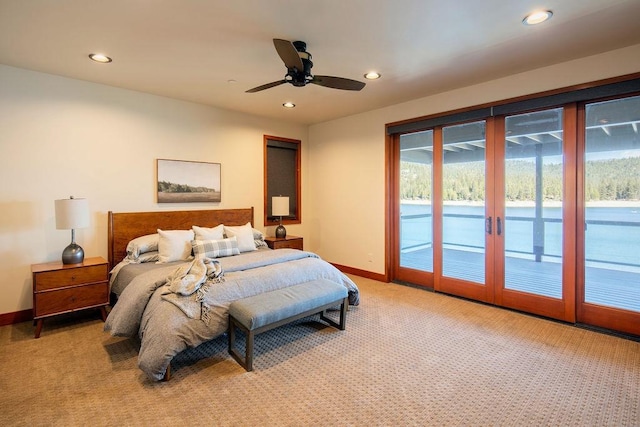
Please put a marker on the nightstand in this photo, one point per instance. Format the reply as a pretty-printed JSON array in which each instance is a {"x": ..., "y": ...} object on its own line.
[
  {"x": 60, "y": 288},
  {"x": 293, "y": 242}
]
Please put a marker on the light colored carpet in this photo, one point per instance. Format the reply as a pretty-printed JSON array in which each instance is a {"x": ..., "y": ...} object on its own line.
[{"x": 407, "y": 357}]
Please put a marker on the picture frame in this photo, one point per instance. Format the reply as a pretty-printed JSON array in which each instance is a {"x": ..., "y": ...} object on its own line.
[{"x": 185, "y": 181}]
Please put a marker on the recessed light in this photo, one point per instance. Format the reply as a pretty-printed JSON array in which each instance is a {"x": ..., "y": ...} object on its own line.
[
  {"x": 537, "y": 17},
  {"x": 372, "y": 75},
  {"x": 99, "y": 57},
  {"x": 288, "y": 105}
]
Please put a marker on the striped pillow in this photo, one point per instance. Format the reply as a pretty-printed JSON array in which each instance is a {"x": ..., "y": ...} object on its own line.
[{"x": 215, "y": 248}]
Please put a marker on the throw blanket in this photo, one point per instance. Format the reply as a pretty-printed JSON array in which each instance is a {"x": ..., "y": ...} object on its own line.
[
  {"x": 183, "y": 286},
  {"x": 187, "y": 279},
  {"x": 147, "y": 306}
]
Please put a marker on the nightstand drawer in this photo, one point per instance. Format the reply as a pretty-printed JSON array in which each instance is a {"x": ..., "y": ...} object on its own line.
[
  {"x": 290, "y": 244},
  {"x": 69, "y": 277},
  {"x": 63, "y": 300}
]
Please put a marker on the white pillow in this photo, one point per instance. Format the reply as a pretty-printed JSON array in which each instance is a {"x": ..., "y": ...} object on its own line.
[
  {"x": 174, "y": 245},
  {"x": 244, "y": 234},
  {"x": 141, "y": 245},
  {"x": 204, "y": 233}
]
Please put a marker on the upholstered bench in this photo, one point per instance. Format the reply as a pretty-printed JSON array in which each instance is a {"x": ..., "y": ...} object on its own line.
[{"x": 262, "y": 312}]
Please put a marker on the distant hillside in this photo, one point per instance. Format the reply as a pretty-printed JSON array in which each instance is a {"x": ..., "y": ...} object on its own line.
[
  {"x": 171, "y": 187},
  {"x": 615, "y": 179}
]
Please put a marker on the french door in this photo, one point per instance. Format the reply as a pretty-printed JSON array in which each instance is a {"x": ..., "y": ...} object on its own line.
[
  {"x": 464, "y": 249},
  {"x": 502, "y": 211},
  {"x": 535, "y": 205},
  {"x": 608, "y": 235},
  {"x": 480, "y": 233}
]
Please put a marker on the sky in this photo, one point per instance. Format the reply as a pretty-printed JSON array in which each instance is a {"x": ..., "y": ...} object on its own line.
[{"x": 197, "y": 174}]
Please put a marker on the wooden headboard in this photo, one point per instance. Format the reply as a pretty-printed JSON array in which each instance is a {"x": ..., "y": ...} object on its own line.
[{"x": 125, "y": 226}]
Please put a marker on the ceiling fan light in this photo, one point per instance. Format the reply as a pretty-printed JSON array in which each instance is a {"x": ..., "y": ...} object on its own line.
[
  {"x": 372, "y": 75},
  {"x": 288, "y": 105},
  {"x": 537, "y": 17},
  {"x": 101, "y": 58}
]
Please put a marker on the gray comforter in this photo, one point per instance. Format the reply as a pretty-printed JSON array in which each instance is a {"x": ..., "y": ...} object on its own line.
[{"x": 168, "y": 323}]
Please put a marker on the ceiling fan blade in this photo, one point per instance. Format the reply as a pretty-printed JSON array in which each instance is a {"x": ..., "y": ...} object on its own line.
[
  {"x": 337, "y": 82},
  {"x": 267, "y": 86},
  {"x": 288, "y": 54}
]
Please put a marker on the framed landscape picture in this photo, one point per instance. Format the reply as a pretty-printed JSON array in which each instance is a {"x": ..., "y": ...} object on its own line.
[{"x": 182, "y": 181}]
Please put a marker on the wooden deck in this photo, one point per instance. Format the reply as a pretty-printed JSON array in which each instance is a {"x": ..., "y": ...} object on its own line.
[{"x": 605, "y": 286}]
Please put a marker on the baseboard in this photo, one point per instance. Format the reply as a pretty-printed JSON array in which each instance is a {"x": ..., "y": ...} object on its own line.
[
  {"x": 361, "y": 273},
  {"x": 16, "y": 317}
]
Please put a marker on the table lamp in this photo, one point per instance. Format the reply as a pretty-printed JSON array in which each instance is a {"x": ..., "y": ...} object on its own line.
[
  {"x": 71, "y": 214},
  {"x": 280, "y": 207}
]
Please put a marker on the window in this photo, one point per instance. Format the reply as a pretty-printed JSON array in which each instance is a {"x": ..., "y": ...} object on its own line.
[{"x": 282, "y": 177}]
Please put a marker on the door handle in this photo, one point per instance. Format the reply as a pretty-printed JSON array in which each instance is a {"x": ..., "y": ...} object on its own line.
[
  {"x": 488, "y": 225},
  {"x": 499, "y": 225}
]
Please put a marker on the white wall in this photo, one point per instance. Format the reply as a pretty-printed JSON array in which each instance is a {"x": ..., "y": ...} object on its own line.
[
  {"x": 347, "y": 210},
  {"x": 62, "y": 137}
]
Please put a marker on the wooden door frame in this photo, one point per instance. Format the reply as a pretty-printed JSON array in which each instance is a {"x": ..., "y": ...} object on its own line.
[
  {"x": 565, "y": 307},
  {"x": 466, "y": 289},
  {"x": 587, "y": 313},
  {"x": 393, "y": 270}
]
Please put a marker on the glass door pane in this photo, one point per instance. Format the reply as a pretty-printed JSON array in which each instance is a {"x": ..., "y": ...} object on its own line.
[
  {"x": 463, "y": 196},
  {"x": 612, "y": 204},
  {"x": 533, "y": 180},
  {"x": 416, "y": 216}
]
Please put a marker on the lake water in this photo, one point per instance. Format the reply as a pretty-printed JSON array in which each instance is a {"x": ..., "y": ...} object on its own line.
[{"x": 612, "y": 236}]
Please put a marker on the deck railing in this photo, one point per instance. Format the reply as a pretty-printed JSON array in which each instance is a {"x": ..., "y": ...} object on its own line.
[{"x": 536, "y": 249}]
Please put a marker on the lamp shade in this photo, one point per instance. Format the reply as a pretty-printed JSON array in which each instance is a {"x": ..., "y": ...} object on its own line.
[
  {"x": 280, "y": 206},
  {"x": 72, "y": 213}
]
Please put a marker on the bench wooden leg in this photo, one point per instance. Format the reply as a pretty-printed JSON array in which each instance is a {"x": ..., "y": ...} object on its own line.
[
  {"x": 249, "y": 352},
  {"x": 343, "y": 316},
  {"x": 247, "y": 361}
]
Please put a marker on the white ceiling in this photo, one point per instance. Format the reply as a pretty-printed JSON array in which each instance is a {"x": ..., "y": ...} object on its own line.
[{"x": 190, "y": 49}]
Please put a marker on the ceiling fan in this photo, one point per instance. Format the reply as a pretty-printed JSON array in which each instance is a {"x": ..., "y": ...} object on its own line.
[{"x": 298, "y": 63}]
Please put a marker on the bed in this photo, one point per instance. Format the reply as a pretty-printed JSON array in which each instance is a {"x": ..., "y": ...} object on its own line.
[{"x": 182, "y": 303}]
